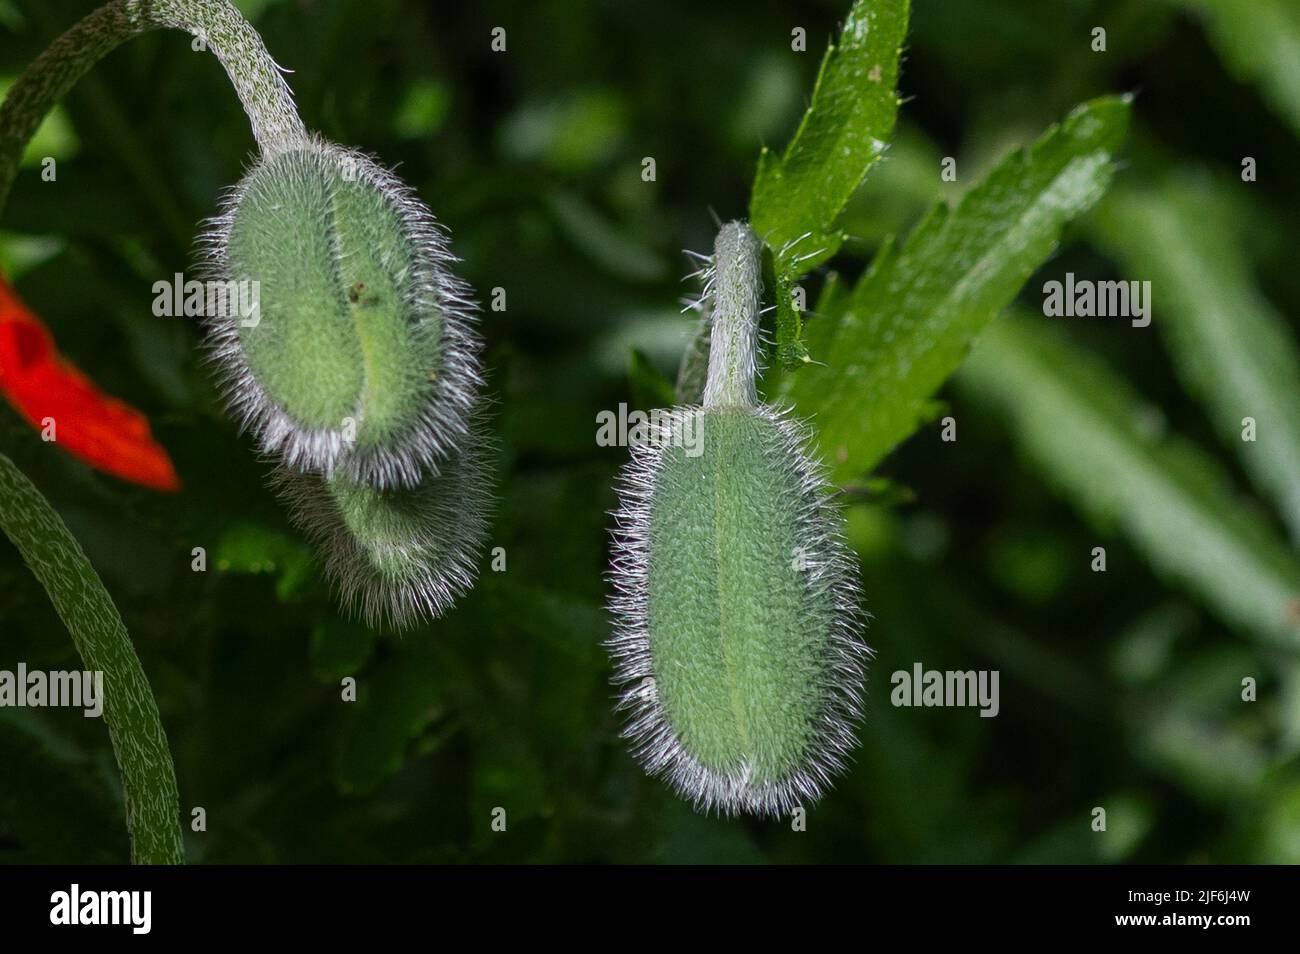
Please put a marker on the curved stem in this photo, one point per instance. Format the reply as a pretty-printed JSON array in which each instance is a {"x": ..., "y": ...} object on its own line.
[
  {"x": 736, "y": 289},
  {"x": 261, "y": 89},
  {"x": 79, "y": 597}
]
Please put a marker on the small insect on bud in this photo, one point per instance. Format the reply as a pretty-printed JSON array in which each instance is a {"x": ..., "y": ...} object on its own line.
[
  {"x": 360, "y": 361},
  {"x": 404, "y": 554},
  {"x": 733, "y": 588}
]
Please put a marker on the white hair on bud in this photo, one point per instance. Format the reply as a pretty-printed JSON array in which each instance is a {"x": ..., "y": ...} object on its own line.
[
  {"x": 832, "y": 570},
  {"x": 440, "y": 556},
  {"x": 442, "y": 427}
]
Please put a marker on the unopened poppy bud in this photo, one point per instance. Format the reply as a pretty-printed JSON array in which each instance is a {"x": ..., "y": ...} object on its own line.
[
  {"x": 359, "y": 360},
  {"x": 736, "y": 599},
  {"x": 402, "y": 554}
]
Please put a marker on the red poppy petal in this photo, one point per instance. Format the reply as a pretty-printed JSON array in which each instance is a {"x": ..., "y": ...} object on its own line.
[{"x": 92, "y": 426}]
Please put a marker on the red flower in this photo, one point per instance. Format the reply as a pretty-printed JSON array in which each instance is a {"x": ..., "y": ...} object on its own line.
[{"x": 98, "y": 429}]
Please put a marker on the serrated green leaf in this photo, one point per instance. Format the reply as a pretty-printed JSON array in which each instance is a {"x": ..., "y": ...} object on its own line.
[
  {"x": 880, "y": 353},
  {"x": 1231, "y": 347},
  {"x": 1090, "y": 434},
  {"x": 798, "y": 196},
  {"x": 843, "y": 133},
  {"x": 79, "y": 597},
  {"x": 1259, "y": 41}
]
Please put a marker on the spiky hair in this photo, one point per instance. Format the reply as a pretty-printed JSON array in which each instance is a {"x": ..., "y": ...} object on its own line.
[
  {"x": 444, "y": 527},
  {"x": 434, "y": 296},
  {"x": 831, "y": 571}
]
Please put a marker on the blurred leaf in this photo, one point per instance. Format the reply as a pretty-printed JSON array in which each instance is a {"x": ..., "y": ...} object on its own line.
[
  {"x": 395, "y": 705},
  {"x": 613, "y": 250},
  {"x": 1231, "y": 347},
  {"x": 1209, "y": 761},
  {"x": 1259, "y": 41},
  {"x": 1129, "y": 818},
  {"x": 693, "y": 372},
  {"x": 1145, "y": 650},
  {"x": 422, "y": 109},
  {"x": 884, "y": 349},
  {"x": 798, "y": 196},
  {"x": 769, "y": 96},
  {"x": 1277, "y": 824},
  {"x": 250, "y": 548},
  {"x": 573, "y": 134},
  {"x": 1032, "y": 565},
  {"x": 1082, "y": 425},
  {"x": 22, "y": 253},
  {"x": 340, "y": 648},
  {"x": 650, "y": 387}
]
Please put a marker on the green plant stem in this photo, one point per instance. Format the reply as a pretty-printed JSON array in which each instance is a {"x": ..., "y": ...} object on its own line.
[
  {"x": 736, "y": 291},
  {"x": 82, "y": 602},
  {"x": 79, "y": 597},
  {"x": 265, "y": 96}
]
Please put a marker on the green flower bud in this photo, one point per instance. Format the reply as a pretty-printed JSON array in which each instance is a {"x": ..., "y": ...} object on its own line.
[
  {"x": 359, "y": 360},
  {"x": 738, "y": 628},
  {"x": 403, "y": 554}
]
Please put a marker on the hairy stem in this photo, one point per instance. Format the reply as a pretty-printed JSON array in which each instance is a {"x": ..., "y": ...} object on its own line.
[
  {"x": 261, "y": 89},
  {"x": 79, "y": 597},
  {"x": 737, "y": 287}
]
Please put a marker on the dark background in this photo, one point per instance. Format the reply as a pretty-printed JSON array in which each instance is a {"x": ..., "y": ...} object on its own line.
[{"x": 532, "y": 158}]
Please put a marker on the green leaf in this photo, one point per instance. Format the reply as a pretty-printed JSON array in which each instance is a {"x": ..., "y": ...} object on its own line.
[
  {"x": 1233, "y": 350},
  {"x": 619, "y": 252},
  {"x": 1259, "y": 41},
  {"x": 882, "y": 351},
  {"x": 1092, "y": 436},
  {"x": 798, "y": 196},
  {"x": 251, "y": 548},
  {"x": 55, "y": 557}
]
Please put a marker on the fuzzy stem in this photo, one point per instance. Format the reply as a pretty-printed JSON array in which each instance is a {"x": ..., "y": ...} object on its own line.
[
  {"x": 79, "y": 597},
  {"x": 261, "y": 89},
  {"x": 737, "y": 290}
]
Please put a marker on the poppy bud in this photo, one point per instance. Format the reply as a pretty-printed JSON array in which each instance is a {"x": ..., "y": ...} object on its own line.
[
  {"x": 359, "y": 360},
  {"x": 401, "y": 554},
  {"x": 738, "y": 632}
]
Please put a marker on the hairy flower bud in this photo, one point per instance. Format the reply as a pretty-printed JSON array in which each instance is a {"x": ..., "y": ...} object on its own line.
[
  {"x": 359, "y": 360},
  {"x": 738, "y": 629},
  {"x": 402, "y": 554}
]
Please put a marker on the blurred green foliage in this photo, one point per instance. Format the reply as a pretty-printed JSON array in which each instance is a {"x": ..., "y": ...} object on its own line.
[{"x": 1119, "y": 689}]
